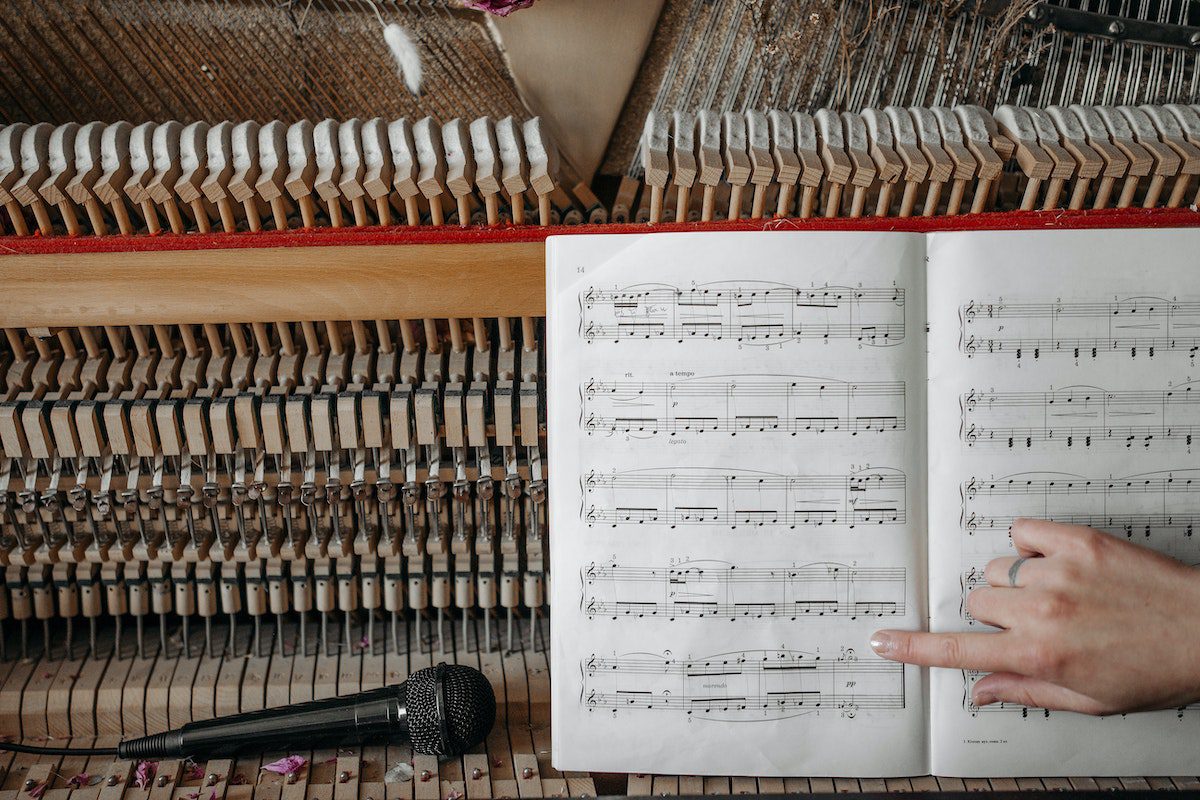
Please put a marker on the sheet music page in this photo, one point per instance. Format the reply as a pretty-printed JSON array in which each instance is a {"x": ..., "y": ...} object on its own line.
[
  {"x": 1063, "y": 384},
  {"x": 736, "y": 439}
]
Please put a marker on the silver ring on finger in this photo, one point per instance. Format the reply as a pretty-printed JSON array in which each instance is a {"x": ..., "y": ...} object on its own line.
[{"x": 1013, "y": 570}]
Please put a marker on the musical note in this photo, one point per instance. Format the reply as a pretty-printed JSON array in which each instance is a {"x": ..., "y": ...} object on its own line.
[
  {"x": 716, "y": 590},
  {"x": 1137, "y": 326},
  {"x": 1082, "y": 417},
  {"x": 744, "y": 685},
  {"x": 744, "y": 498},
  {"x": 756, "y": 312},
  {"x": 743, "y": 404}
]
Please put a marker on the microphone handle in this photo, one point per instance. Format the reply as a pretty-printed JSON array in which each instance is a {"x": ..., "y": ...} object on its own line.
[{"x": 376, "y": 714}]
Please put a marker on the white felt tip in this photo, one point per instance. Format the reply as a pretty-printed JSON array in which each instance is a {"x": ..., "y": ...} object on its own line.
[{"x": 405, "y": 53}]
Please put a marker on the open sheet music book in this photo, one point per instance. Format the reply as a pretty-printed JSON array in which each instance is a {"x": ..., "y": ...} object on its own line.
[{"x": 767, "y": 446}]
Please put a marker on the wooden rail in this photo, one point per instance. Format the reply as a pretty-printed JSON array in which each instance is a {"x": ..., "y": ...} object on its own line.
[{"x": 285, "y": 284}]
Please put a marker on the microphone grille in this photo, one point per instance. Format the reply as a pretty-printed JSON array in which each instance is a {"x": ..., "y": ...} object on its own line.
[{"x": 468, "y": 709}]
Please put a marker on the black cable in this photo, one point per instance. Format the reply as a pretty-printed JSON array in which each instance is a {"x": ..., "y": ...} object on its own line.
[{"x": 58, "y": 751}]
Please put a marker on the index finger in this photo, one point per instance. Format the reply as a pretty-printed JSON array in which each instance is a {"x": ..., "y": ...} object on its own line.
[
  {"x": 1039, "y": 537},
  {"x": 989, "y": 652}
]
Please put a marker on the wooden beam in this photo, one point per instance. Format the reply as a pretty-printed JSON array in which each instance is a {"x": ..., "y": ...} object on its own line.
[{"x": 274, "y": 284}]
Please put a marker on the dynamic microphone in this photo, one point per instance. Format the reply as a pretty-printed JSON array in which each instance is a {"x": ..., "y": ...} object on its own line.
[{"x": 443, "y": 710}]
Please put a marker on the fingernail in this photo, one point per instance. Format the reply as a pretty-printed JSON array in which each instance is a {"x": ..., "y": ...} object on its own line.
[
  {"x": 882, "y": 643},
  {"x": 984, "y": 698}
]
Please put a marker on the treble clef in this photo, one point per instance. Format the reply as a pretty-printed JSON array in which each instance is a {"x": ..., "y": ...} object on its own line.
[
  {"x": 971, "y": 435},
  {"x": 590, "y": 389},
  {"x": 591, "y": 332},
  {"x": 591, "y": 515},
  {"x": 590, "y": 424},
  {"x": 970, "y": 489},
  {"x": 590, "y": 298},
  {"x": 969, "y": 346}
]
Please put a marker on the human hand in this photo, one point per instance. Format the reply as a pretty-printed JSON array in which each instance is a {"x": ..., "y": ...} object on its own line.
[{"x": 1094, "y": 624}]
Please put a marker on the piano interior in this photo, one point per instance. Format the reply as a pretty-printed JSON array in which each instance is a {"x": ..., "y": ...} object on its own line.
[{"x": 272, "y": 395}]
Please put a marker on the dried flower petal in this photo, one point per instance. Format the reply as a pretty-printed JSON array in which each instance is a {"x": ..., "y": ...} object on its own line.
[
  {"x": 401, "y": 773},
  {"x": 501, "y": 8},
  {"x": 288, "y": 765},
  {"x": 144, "y": 773},
  {"x": 37, "y": 791},
  {"x": 78, "y": 781},
  {"x": 454, "y": 794}
]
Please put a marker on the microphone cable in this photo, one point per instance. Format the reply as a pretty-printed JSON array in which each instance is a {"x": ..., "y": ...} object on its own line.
[{"x": 17, "y": 747}]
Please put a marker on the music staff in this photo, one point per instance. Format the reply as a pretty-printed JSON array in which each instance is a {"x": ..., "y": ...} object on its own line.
[
  {"x": 756, "y": 312},
  {"x": 1136, "y": 326},
  {"x": 742, "y": 498},
  {"x": 747, "y": 685},
  {"x": 1156, "y": 503},
  {"x": 718, "y": 590},
  {"x": 1081, "y": 416},
  {"x": 736, "y": 404},
  {"x": 971, "y": 677}
]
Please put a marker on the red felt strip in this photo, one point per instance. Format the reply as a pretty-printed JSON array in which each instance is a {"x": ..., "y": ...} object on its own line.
[{"x": 396, "y": 235}]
